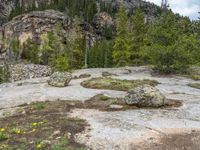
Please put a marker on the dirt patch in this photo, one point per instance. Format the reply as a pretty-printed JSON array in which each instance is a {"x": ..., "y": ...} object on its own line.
[
  {"x": 178, "y": 141},
  {"x": 105, "y": 103},
  {"x": 115, "y": 84},
  {"x": 43, "y": 125}
]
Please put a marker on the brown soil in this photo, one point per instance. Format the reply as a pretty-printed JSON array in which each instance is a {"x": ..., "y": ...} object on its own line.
[
  {"x": 104, "y": 103},
  {"x": 45, "y": 126},
  {"x": 177, "y": 141}
]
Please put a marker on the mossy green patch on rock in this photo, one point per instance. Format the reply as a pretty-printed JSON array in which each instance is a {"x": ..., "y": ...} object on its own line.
[
  {"x": 194, "y": 85},
  {"x": 116, "y": 84},
  {"x": 193, "y": 73}
]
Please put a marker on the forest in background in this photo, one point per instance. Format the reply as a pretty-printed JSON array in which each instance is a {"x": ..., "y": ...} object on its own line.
[{"x": 171, "y": 42}]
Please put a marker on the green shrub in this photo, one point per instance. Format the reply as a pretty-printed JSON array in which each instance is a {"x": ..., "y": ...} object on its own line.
[{"x": 3, "y": 136}]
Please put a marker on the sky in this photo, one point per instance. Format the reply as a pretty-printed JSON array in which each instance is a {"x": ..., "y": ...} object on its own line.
[{"x": 188, "y": 8}]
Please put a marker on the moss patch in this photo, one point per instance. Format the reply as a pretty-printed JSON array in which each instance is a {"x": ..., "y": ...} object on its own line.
[
  {"x": 82, "y": 76},
  {"x": 193, "y": 73},
  {"x": 115, "y": 84},
  {"x": 194, "y": 85}
]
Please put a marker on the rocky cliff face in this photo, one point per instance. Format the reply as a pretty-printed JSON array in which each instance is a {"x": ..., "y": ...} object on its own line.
[
  {"x": 33, "y": 24},
  {"x": 6, "y": 6}
]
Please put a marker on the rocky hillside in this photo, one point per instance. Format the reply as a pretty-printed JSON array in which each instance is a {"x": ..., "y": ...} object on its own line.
[
  {"x": 30, "y": 18},
  {"x": 12, "y": 8}
]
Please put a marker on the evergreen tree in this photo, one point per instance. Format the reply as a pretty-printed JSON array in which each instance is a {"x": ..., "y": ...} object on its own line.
[
  {"x": 62, "y": 63},
  {"x": 121, "y": 48},
  {"x": 100, "y": 56},
  {"x": 53, "y": 51},
  {"x": 138, "y": 31},
  {"x": 46, "y": 49},
  {"x": 15, "y": 47},
  {"x": 168, "y": 44},
  {"x": 31, "y": 51},
  {"x": 78, "y": 46}
]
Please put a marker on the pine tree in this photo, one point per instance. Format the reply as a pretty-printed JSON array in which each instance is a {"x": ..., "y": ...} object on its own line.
[
  {"x": 78, "y": 46},
  {"x": 138, "y": 32},
  {"x": 46, "y": 49},
  {"x": 169, "y": 45},
  {"x": 121, "y": 48},
  {"x": 31, "y": 51},
  {"x": 100, "y": 56},
  {"x": 62, "y": 63}
]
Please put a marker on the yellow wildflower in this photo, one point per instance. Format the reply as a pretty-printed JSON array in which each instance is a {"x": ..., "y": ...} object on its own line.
[
  {"x": 18, "y": 131},
  {"x": 33, "y": 130},
  {"x": 38, "y": 146},
  {"x": 2, "y": 129},
  {"x": 34, "y": 124}
]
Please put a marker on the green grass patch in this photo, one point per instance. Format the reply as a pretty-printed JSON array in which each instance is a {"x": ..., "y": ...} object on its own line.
[
  {"x": 38, "y": 106},
  {"x": 116, "y": 84},
  {"x": 3, "y": 136},
  {"x": 192, "y": 73},
  {"x": 194, "y": 85},
  {"x": 103, "y": 97}
]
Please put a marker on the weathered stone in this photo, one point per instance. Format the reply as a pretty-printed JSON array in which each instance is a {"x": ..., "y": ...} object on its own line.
[
  {"x": 60, "y": 79},
  {"x": 145, "y": 96},
  {"x": 103, "y": 20},
  {"x": 107, "y": 74},
  {"x": 6, "y": 6},
  {"x": 116, "y": 106},
  {"x": 28, "y": 71},
  {"x": 85, "y": 75}
]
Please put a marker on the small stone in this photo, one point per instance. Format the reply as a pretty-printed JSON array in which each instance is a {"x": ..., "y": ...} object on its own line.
[
  {"x": 56, "y": 132},
  {"x": 116, "y": 106}
]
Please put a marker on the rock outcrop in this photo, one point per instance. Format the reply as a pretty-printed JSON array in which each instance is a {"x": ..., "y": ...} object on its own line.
[
  {"x": 60, "y": 79},
  {"x": 33, "y": 24},
  {"x": 27, "y": 71},
  {"x": 6, "y": 6},
  {"x": 145, "y": 96},
  {"x": 103, "y": 20}
]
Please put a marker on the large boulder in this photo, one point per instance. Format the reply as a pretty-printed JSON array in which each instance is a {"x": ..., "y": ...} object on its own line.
[
  {"x": 60, "y": 79},
  {"x": 145, "y": 96}
]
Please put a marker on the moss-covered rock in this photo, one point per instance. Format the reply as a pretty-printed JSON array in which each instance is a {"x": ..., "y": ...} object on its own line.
[
  {"x": 60, "y": 79},
  {"x": 145, "y": 96},
  {"x": 194, "y": 85}
]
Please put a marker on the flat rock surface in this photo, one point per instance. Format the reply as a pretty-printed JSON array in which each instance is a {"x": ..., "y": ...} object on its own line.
[{"x": 154, "y": 128}]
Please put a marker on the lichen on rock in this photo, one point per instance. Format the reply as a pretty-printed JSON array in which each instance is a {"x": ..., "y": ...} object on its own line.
[
  {"x": 60, "y": 79},
  {"x": 145, "y": 96}
]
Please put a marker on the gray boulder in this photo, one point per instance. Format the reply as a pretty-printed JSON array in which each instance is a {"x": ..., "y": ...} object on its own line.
[
  {"x": 60, "y": 79},
  {"x": 145, "y": 96}
]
